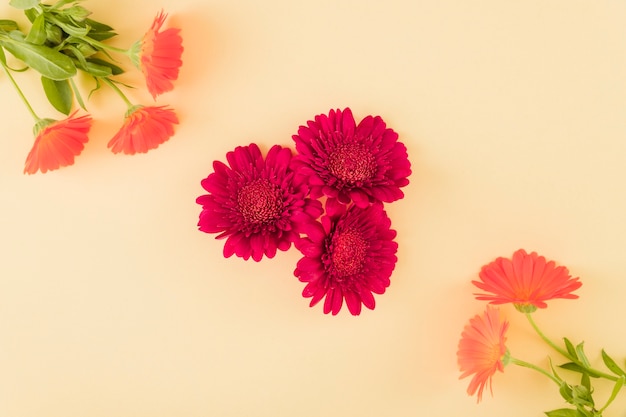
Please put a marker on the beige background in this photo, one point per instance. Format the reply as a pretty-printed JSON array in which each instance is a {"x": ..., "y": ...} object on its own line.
[{"x": 514, "y": 115}]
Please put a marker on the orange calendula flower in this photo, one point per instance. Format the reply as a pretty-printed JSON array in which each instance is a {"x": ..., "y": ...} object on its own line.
[
  {"x": 57, "y": 142},
  {"x": 159, "y": 56},
  {"x": 145, "y": 128},
  {"x": 482, "y": 350},
  {"x": 526, "y": 280}
]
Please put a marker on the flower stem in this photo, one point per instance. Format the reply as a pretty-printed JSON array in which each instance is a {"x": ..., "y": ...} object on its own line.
[
  {"x": 19, "y": 91},
  {"x": 565, "y": 353},
  {"x": 525, "y": 364},
  {"x": 118, "y": 91},
  {"x": 545, "y": 338}
]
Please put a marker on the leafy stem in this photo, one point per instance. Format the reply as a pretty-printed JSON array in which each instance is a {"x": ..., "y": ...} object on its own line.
[
  {"x": 584, "y": 364},
  {"x": 118, "y": 91},
  {"x": 525, "y": 364}
]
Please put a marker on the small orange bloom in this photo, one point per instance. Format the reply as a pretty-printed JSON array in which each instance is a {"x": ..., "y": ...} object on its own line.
[
  {"x": 527, "y": 281},
  {"x": 57, "y": 142},
  {"x": 145, "y": 128},
  {"x": 482, "y": 350},
  {"x": 160, "y": 56}
]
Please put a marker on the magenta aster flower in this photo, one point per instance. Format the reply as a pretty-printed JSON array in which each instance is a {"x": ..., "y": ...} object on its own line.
[
  {"x": 362, "y": 163},
  {"x": 349, "y": 255},
  {"x": 256, "y": 203}
]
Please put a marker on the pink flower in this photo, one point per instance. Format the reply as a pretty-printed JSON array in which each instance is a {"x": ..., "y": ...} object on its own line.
[
  {"x": 348, "y": 256},
  {"x": 144, "y": 128},
  {"x": 57, "y": 143},
  {"x": 256, "y": 203},
  {"x": 160, "y": 56},
  {"x": 362, "y": 163},
  {"x": 482, "y": 350},
  {"x": 526, "y": 280}
]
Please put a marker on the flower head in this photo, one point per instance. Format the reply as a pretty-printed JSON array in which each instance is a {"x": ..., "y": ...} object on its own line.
[
  {"x": 57, "y": 143},
  {"x": 361, "y": 163},
  {"x": 348, "y": 256},
  {"x": 482, "y": 350},
  {"x": 159, "y": 58},
  {"x": 256, "y": 203},
  {"x": 144, "y": 128},
  {"x": 526, "y": 280}
]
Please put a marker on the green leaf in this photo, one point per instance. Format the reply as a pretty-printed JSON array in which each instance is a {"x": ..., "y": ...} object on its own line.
[
  {"x": 31, "y": 14},
  {"x": 94, "y": 69},
  {"x": 7, "y": 25},
  {"x": 115, "y": 70},
  {"x": 101, "y": 36},
  {"x": 79, "y": 98},
  {"x": 570, "y": 348},
  {"x": 3, "y": 58},
  {"x": 59, "y": 94},
  {"x": 98, "y": 26},
  {"x": 564, "y": 412},
  {"x": 37, "y": 33},
  {"x": 48, "y": 62},
  {"x": 23, "y": 4},
  {"x": 578, "y": 368},
  {"x": 581, "y": 355},
  {"x": 611, "y": 364}
]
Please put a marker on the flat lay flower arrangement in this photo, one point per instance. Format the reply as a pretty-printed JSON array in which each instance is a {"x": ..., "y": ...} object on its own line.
[
  {"x": 326, "y": 200},
  {"x": 528, "y": 281},
  {"x": 64, "y": 43}
]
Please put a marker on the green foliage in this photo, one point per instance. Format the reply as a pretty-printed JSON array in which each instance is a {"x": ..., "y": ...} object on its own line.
[{"x": 62, "y": 41}]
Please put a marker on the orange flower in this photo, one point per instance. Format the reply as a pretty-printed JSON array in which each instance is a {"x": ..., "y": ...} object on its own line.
[
  {"x": 57, "y": 142},
  {"x": 145, "y": 128},
  {"x": 482, "y": 350},
  {"x": 160, "y": 56},
  {"x": 527, "y": 281}
]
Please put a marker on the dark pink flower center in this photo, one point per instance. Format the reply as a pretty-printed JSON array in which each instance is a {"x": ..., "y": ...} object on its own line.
[
  {"x": 260, "y": 201},
  {"x": 352, "y": 163},
  {"x": 348, "y": 252}
]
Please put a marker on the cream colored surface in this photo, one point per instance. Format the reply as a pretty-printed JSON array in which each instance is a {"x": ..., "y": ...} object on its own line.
[{"x": 514, "y": 115}]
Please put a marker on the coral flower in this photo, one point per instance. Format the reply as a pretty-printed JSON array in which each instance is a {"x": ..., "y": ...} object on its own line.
[
  {"x": 482, "y": 350},
  {"x": 57, "y": 143},
  {"x": 526, "y": 280},
  {"x": 348, "y": 256},
  {"x": 361, "y": 163},
  {"x": 159, "y": 56},
  {"x": 256, "y": 203},
  {"x": 144, "y": 128}
]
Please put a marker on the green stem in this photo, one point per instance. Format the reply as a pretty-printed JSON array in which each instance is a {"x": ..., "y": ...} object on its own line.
[
  {"x": 118, "y": 91},
  {"x": 19, "y": 92},
  {"x": 565, "y": 353},
  {"x": 545, "y": 338},
  {"x": 525, "y": 364}
]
